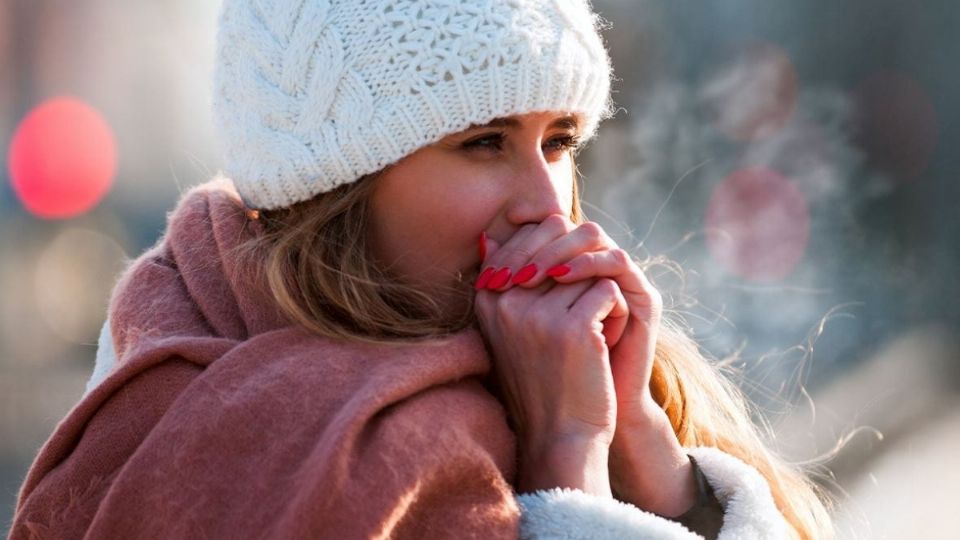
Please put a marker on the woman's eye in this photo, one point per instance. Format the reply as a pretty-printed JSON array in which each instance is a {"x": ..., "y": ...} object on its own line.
[
  {"x": 494, "y": 142},
  {"x": 488, "y": 142},
  {"x": 567, "y": 142}
]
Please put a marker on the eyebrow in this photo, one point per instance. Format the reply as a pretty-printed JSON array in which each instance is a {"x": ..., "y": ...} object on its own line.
[{"x": 565, "y": 122}]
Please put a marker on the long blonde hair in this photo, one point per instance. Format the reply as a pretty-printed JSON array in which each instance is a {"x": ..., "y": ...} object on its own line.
[{"x": 314, "y": 258}]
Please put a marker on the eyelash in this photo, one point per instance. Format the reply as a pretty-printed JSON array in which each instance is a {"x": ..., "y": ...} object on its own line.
[{"x": 567, "y": 143}]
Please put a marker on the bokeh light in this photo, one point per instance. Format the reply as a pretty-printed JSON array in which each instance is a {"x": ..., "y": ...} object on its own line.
[
  {"x": 755, "y": 95},
  {"x": 24, "y": 340},
  {"x": 757, "y": 224},
  {"x": 73, "y": 280},
  {"x": 896, "y": 123},
  {"x": 62, "y": 159}
]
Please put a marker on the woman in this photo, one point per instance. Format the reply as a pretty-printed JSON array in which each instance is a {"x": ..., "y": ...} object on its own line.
[{"x": 393, "y": 320}]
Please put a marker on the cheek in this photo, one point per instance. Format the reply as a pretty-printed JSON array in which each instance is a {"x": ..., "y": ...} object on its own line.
[
  {"x": 430, "y": 221},
  {"x": 452, "y": 217}
]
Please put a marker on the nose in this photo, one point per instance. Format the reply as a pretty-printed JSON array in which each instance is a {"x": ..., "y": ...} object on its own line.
[{"x": 540, "y": 189}]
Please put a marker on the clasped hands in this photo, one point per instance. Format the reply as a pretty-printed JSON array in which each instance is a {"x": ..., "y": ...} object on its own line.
[{"x": 572, "y": 322}]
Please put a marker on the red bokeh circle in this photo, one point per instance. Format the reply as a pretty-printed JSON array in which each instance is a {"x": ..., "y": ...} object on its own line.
[
  {"x": 757, "y": 224},
  {"x": 62, "y": 159}
]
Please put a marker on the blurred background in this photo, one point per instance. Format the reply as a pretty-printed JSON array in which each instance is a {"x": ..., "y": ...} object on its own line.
[{"x": 793, "y": 157}]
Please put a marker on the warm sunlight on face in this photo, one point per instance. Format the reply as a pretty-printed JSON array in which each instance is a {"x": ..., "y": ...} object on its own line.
[{"x": 428, "y": 209}]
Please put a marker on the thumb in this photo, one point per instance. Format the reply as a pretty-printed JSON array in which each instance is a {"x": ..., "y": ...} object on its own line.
[
  {"x": 613, "y": 328},
  {"x": 615, "y": 322}
]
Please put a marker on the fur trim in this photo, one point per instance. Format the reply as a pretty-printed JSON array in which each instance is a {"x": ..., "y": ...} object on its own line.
[
  {"x": 749, "y": 509},
  {"x": 563, "y": 513}
]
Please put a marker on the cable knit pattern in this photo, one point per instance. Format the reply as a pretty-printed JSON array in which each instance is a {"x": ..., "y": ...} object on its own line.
[{"x": 312, "y": 94}]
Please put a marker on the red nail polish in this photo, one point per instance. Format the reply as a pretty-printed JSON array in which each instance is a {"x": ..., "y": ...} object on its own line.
[
  {"x": 499, "y": 279},
  {"x": 482, "y": 249},
  {"x": 484, "y": 277},
  {"x": 525, "y": 274},
  {"x": 559, "y": 270}
]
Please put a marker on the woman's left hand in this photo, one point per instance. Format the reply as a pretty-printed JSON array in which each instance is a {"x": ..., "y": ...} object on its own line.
[{"x": 648, "y": 466}]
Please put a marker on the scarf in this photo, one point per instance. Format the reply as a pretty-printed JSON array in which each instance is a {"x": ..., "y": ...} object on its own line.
[{"x": 224, "y": 420}]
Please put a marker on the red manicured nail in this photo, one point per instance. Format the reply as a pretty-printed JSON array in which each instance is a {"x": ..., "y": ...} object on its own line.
[
  {"x": 558, "y": 270},
  {"x": 482, "y": 249},
  {"x": 525, "y": 274},
  {"x": 499, "y": 279},
  {"x": 484, "y": 277}
]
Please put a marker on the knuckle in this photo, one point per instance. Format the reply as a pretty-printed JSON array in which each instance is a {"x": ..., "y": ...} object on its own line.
[
  {"x": 620, "y": 257},
  {"x": 607, "y": 286},
  {"x": 543, "y": 321},
  {"x": 517, "y": 255},
  {"x": 592, "y": 231},
  {"x": 482, "y": 304},
  {"x": 579, "y": 320},
  {"x": 585, "y": 335},
  {"x": 594, "y": 341},
  {"x": 555, "y": 223},
  {"x": 656, "y": 299},
  {"x": 484, "y": 311},
  {"x": 508, "y": 308}
]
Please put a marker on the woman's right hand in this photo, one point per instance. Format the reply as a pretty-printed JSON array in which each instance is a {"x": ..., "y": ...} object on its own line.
[{"x": 552, "y": 365}]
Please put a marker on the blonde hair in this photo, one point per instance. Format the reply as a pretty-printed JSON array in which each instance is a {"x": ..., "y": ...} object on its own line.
[{"x": 314, "y": 258}]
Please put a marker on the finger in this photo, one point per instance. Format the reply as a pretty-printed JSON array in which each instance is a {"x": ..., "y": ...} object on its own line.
[
  {"x": 561, "y": 297},
  {"x": 520, "y": 299},
  {"x": 586, "y": 237},
  {"x": 615, "y": 322},
  {"x": 514, "y": 258},
  {"x": 490, "y": 247},
  {"x": 617, "y": 265},
  {"x": 486, "y": 247},
  {"x": 601, "y": 301},
  {"x": 509, "y": 244},
  {"x": 522, "y": 250},
  {"x": 493, "y": 274}
]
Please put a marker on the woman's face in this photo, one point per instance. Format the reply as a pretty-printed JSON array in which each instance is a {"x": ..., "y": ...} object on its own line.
[{"x": 428, "y": 209}]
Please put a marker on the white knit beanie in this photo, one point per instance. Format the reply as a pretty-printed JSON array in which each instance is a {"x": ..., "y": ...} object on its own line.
[{"x": 312, "y": 94}]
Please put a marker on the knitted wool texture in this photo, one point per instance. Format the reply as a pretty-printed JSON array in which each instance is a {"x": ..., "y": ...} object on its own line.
[{"x": 312, "y": 94}]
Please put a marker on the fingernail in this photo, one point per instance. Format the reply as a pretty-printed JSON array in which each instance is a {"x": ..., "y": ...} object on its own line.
[
  {"x": 484, "y": 277},
  {"x": 499, "y": 279},
  {"x": 482, "y": 249},
  {"x": 525, "y": 274},
  {"x": 558, "y": 270}
]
